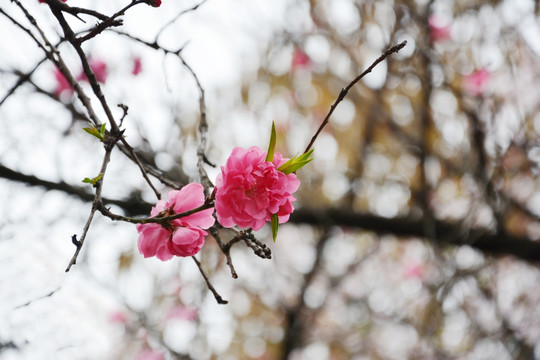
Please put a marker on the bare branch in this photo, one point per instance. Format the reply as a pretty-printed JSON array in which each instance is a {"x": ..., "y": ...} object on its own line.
[{"x": 345, "y": 91}]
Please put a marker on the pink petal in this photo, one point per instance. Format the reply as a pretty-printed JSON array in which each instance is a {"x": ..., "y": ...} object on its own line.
[
  {"x": 202, "y": 219},
  {"x": 191, "y": 196},
  {"x": 164, "y": 254},
  {"x": 137, "y": 66},
  {"x": 184, "y": 235},
  {"x": 160, "y": 206},
  {"x": 152, "y": 237}
]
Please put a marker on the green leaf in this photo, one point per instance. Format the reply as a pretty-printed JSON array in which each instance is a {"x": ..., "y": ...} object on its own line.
[
  {"x": 102, "y": 131},
  {"x": 296, "y": 162},
  {"x": 272, "y": 144},
  {"x": 275, "y": 226},
  {"x": 294, "y": 167},
  {"x": 94, "y": 132},
  {"x": 92, "y": 181}
]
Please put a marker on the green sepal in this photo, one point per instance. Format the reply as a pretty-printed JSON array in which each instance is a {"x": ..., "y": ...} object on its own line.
[
  {"x": 296, "y": 162},
  {"x": 272, "y": 144},
  {"x": 92, "y": 181},
  {"x": 275, "y": 225}
]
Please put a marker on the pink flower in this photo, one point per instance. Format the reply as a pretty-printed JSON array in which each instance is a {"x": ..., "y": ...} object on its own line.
[
  {"x": 99, "y": 69},
  {"x": 181, "y": 237},
  {"x": 62, "y": 84},
  {"x": 183, "y": 312},
  {"x": 137, "y": 66},
  {"x": 118, "y": 317},
  {"x": 249, "y": 190},
  {"x": 300, "y": 60},
  {"x": 439, "y": 29},
  {"x": 149, "y": 354},
  {"x": 477, "y": 82},
  {"x": 413, "y": 270}
]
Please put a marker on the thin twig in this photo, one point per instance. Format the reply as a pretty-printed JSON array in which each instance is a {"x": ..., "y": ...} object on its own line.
[
  {"x": 54, "y": 55},
  {"x": 174, "y": 19},
  {"x": 345, "y": 91},
  {"x": 96, "y": 88},
  {"x": 75, "y": 11},
  {"x": 110, "y": 141},
  {"x": 218, "y": 297},
  {"x": 156, "y": 219},
  {"x": 37, "y": 299},
  {"x": 203, "y": 130},
  {"x": 22, "y": 79},
  {"x": 225, "y": 248},
  {"x": 108, "y": 23}
]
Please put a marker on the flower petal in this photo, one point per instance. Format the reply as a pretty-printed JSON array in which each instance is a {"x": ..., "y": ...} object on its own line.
[
  {"x": 202, "y": 219},
  {"x": 152, "y": 237}
]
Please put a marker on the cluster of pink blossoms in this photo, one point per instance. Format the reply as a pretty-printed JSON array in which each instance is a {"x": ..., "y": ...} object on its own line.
[{"x": 250, "y": 191}]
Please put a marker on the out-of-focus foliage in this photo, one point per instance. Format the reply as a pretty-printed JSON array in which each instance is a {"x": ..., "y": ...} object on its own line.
[{"x": 417, "y": 223}]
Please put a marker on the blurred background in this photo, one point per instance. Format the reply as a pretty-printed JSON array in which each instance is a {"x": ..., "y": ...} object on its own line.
[{"x": 417, "y": 226}]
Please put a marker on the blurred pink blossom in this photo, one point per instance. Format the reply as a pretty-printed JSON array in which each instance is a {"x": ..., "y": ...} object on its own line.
[
  {"x": 300, "y": 59},
  {"x": 182, "y": 237},
  {"x": 118, "y": 317},
  {"x": 62, "y": 84},
  {"x": 155, "y": 3},
  {"x": 137, "y": 65},
  {"x": 99, "y": 68},
  {"x": 149, "y": 354},
  {"x": 477, "y": 83},
  {"x": 183, "y": 312},
  {"x": 249, "y": 190},
  {"x": 439, "y": 29},
  {"x": 413, "y": 270}
]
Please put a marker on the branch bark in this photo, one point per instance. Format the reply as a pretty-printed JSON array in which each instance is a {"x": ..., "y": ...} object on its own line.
[{"x": 447, "y": 233}]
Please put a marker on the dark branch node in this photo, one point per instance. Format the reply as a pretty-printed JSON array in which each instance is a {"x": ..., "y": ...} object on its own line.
[{"x": 75, "y": 242}]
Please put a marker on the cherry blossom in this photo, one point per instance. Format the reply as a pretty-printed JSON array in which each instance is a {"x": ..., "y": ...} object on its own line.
[
  {"x": 249, "y": 190},
  {"x": 413, "y": 270},
  {"x": 99, "y": 68},
  {"x": 118, "y": 317},
  {"x": 62, "y": 84},
  {"x": 439, "y": 29},
  {"x": 477, "y": 83},
  {"x": 300, "y": 60},
  {"x": 180, "y": 237}
]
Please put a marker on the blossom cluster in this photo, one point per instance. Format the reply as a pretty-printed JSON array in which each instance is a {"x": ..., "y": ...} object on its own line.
[
  {"x": 249, "y": 190},
  {"x": 253, "y": 188}
]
